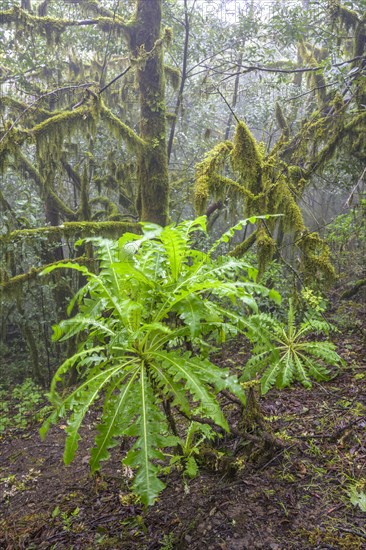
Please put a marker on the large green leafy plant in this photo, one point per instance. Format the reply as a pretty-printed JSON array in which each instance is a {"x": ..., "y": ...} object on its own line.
[
  {"x": 145, "y": 322},
  {"x": 287, "y": 352}
]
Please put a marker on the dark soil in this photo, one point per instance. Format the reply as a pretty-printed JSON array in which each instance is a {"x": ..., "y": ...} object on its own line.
[{"x": 295, "y": 498}]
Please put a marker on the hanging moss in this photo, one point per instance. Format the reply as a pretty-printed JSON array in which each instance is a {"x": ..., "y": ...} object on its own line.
[
  {"x": 295, "y": 174},
  {"x": 327, "y": 152},
  {"x": 23, "y": 165},
  {"x": 315, "y": 259},
  {"x": 266, "y": 247},
  {"x": 94, "y": 6},
  {"x": 114, "y": 23},
  {"x": 205, "y": 170},
  {"x": 320, "y": 53},
  {"x": 282, "y": 201},
  {"x": 360, "y": 38},
  {"x": 25, "y": 23},
  {"x": 201, "y": 193},
  {"x": 246, "y": 158},
  {"x": 316, "y": 79},
  {"x": 281, "y": 121},
  {"x": 120, "y": 130},
  {"x": 31, "y": 115},
  {"x": 11, "y": 141},
  {"x": 347, "y": 17},
  {"x": 50, "y": 134},
  {"x": 172, "y": 76},
  {"x": 168, "y": 36}
]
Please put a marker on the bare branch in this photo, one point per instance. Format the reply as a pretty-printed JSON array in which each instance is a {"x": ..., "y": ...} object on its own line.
[
  {"x": 251, "y": 68},
  {"x": 115, "y": 79}
]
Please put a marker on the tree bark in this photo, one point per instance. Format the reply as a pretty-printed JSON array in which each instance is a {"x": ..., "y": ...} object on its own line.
[{"x": 146, "y": 46}]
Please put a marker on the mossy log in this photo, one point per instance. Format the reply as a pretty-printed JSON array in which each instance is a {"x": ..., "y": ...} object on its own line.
[{"x": 352, "y": 291}]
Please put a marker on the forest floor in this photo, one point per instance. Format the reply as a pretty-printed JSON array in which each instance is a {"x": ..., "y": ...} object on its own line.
[{"x": 309, "y": 494}]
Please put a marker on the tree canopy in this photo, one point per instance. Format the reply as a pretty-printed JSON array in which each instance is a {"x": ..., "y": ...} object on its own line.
[{"x": 118, "y": 112}]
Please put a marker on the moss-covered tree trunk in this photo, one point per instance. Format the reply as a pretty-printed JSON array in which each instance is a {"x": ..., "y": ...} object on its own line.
[{"x": 147, "y": 48}]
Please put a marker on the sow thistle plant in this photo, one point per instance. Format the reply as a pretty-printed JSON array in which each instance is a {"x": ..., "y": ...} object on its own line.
[
  {"x": 144, "y": 322},
  {"x": 285, "y": 352}
]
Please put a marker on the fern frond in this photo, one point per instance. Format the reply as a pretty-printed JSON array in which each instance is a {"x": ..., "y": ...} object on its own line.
[
  {"x": 68, "y": 265},
  {"x": 175, "y": 247},
  {"x": 255, "y": 365},
  {"x": 192, "y": 310}
]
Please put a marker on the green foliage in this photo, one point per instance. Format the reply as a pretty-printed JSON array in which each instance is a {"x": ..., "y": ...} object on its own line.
[
  {"x": 357, "y": 496},
  {"x": 285, "y": 354},
  {"x": 67, "y": 518},
  {"x": 196, "y": 435},
  {"x": 316, "y": 304},
  {"x": 345, "y": 236},
  {"x": 145, "y": 323},
  {"x": 20, "y": 408}
]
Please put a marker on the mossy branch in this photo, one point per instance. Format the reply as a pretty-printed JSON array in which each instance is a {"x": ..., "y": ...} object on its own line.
[
  {"x": 73, "y": 230},
  {"x": 350, "y": 292},
  {"x": 49, "y": 27},
  {"x": 110, "y": 206},
  {"x": 212, "y": 162},
  {"x": 243, "y": 247},
  {"x": 61, "y": 119},
  {"x": 328, "y": 151},
  {"x": 12, "y": 285},
  {"x": 219, "y": 184},
  {"x": 121, "y": 130},
  {"x": 5, "y": 138},
  {"x": 52, "y": 27},
  {"x": 24, "y": 164}
]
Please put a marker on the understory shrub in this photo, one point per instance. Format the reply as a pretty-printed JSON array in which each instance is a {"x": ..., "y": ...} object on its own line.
[
  {"x": 285, "y": 353},
  {"x": 146, "y": 323}
]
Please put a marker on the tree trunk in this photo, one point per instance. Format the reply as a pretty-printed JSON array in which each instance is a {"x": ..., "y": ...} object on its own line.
[
  {"x": 182, "y": 80},
  {"x": 147, "y": 47}
]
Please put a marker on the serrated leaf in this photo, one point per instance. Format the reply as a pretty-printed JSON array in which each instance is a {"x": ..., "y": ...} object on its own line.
[
  {"x": 118, "y": 414},
  {"x": 358, "y": 498},
  {"x": 149, "y": 427},
  {"x": 269, "y": 377},
  {"x": 191, "y": 467}
]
